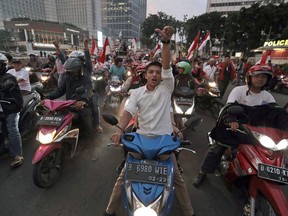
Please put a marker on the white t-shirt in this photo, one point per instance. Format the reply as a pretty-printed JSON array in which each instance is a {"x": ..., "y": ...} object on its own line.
[
  {"x": 21, "y": 74},
  {"x": 153, "y": 107},
  {"x": 210, "y": 71},
  {"x": 239, "y": 94}
]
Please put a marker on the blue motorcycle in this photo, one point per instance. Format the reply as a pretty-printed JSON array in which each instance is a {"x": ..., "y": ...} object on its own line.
[{"x": 148, "y": 185}]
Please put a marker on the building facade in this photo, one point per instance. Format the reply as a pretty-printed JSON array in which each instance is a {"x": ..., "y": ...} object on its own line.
[
  {"x": 39, "y": 35},
  {"x": 226, "y": 6},
  {"x": 123, "y": 17},
  {"x": 85, "y": 14},
  {"x": 34, "y": 10}
]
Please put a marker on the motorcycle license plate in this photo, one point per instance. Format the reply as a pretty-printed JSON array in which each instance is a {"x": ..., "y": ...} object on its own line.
[
  {"x": 50, "y": 120},
  {"x": 273, "y": 173},
  {"x": 148, "y": 173}
]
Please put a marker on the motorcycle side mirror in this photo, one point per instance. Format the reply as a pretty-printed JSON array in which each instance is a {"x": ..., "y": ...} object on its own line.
[
  {"x": 193, "y": 122},
  {"x": 110, "y": 119},
  {"x": 235, "y": 110},
  {"x": 80, "y": 90}
]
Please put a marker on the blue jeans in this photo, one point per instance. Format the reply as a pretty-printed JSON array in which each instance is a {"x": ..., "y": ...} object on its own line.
[{"x": 14, "y": 137}]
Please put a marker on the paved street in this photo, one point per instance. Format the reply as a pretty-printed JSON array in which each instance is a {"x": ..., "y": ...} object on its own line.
[{"x": 87, "y": 180}]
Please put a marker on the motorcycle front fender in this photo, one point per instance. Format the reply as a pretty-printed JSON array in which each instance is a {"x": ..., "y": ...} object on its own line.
[
  {"x": 272, "y": 191},
  {"x": 44, "y": 150}
]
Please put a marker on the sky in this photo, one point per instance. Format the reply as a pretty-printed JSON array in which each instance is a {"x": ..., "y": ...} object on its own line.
[{"x": 177, "y": 8}]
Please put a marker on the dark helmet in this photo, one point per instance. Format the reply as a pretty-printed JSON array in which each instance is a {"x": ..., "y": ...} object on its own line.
[
  {"x": 259, "y": 69},
  {"x": 73, "y": 67},
  {"x": 77, "y": 54}
]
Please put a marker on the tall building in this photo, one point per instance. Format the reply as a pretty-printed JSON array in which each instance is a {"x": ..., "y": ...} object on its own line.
[
  {"x": 34, "y": 10},
  {"x": 226, "y": 6},
  {"x": 85, "y": 14},
  {"x": 123, "y": 17}
]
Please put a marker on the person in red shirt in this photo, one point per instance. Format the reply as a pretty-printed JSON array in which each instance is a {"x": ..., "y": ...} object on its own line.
[{"x": 227, "y": 73}]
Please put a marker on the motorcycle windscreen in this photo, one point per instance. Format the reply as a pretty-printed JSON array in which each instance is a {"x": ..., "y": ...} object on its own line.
[{"x": 149, "y": 146}]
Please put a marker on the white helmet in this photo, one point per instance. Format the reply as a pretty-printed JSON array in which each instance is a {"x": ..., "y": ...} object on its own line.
[{"x": 3, "y": 58}]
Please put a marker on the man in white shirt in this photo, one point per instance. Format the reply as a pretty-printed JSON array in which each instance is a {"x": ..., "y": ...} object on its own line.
[
  {"x": 21, "y": 75},
  {"x": 153, "y": 103},
  {"x": 251, "y": 95},
  {"x": 210, "y": 69}
]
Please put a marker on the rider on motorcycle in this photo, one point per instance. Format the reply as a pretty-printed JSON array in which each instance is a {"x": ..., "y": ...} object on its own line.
[
  {"x": 259, "y": 106},
  {"x": 74, "y": 77},
  {"x": 184, "y": 79},
  {"x": 86, "y": 62},
  {"x": 153, "y": 102},
  {"x": 34, "y": 63},
  {"x": 10, "y": 91}
]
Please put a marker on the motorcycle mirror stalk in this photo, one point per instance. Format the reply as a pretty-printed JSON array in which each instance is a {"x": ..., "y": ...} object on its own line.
[{"x": 112, "y": 120}]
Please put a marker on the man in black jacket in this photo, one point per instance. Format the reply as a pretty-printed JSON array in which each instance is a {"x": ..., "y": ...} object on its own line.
[{"x": 10, "y": 107}]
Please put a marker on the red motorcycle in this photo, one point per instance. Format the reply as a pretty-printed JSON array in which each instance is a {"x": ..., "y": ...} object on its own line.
[
  {"x": 58, "y": 138},
  {"x": 261, "y": 169}
]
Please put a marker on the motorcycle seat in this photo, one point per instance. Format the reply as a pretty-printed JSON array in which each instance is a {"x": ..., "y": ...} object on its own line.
[{"x": 27, "y": 98}]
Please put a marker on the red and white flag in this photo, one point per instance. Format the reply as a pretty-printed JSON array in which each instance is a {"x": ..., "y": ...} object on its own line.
[
  {"x": 266, "y": 56},
  {"x": 193, "y": 46},
  {"x": 156, "y": 50},
  {"x": 106, "y": 50},
  {"x": 134, "y": 44},
  {"x": 94, "y": 48},
  {"x": 205, "y": 40}
]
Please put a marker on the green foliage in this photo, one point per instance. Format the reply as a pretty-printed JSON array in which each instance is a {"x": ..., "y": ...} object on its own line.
[
  {"x": 153, "y": 21},
  {"x": 238, "y": 31}
]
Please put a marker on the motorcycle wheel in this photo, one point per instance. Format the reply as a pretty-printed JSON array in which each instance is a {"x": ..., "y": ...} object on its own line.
[
  {"x": 215, "y": 109},
  {"x": 47, "y": 171},
  {"x": 263, "y": 207}
]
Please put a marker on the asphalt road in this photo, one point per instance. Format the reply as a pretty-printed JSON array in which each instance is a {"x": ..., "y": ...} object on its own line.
[{"x": 87, "y": 181}]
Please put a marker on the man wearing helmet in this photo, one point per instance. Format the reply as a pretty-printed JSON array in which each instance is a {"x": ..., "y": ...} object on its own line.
[
  {"x": 184, "y": 79},
  {"x": 259, "y": 106},
  {"x": 76, "y": 76},
  {"x": 10, "y": 91}
]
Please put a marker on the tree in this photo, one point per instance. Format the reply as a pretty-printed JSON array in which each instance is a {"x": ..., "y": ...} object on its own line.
[{"x": 159, "y": 20}]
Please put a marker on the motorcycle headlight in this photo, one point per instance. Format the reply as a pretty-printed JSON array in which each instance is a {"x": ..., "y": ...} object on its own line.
[
  {"x": 212, "y": 84},
  {"x": 94, "y": 78},
  {"x": 47, "y": 138},
  {"x": 128, "y": 74},
  {"x": 177, "y": 109},
  {"x": 141, "y": 210},
  {"x": 99, "y": 78},
  {"x": 115, "y": 89},
  {"x": 145, "y": 211},
  {"x": 267, "y": 142},
  {"x": 190, "y": 110},
  {"x": 44, "y": 78},
  {"x": 28, "y": 69}
]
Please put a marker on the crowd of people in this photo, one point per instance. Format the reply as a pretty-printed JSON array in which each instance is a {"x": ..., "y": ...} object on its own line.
[{"x": 154, "y": 84}]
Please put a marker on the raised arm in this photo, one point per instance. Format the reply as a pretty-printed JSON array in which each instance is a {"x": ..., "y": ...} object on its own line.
[{"x": 166, "y": 35}]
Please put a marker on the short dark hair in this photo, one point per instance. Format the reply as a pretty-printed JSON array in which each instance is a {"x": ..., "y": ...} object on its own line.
[
  {"x": 117, "y": 60},
  {"x": 154, "y": 63}
]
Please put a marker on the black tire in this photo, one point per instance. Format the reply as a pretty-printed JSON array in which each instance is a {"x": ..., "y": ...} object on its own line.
[
  {"x": 215, "y": 109},
  {"x": 263, "y": 207},
  {"x": 47, "y": 171}
]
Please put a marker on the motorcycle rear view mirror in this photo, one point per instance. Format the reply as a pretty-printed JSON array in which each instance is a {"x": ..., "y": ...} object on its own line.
[
  {"x": 110, "y": 119},
  {"x": 193, "y": 122},
  {"x": 235, "y": 110}
]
